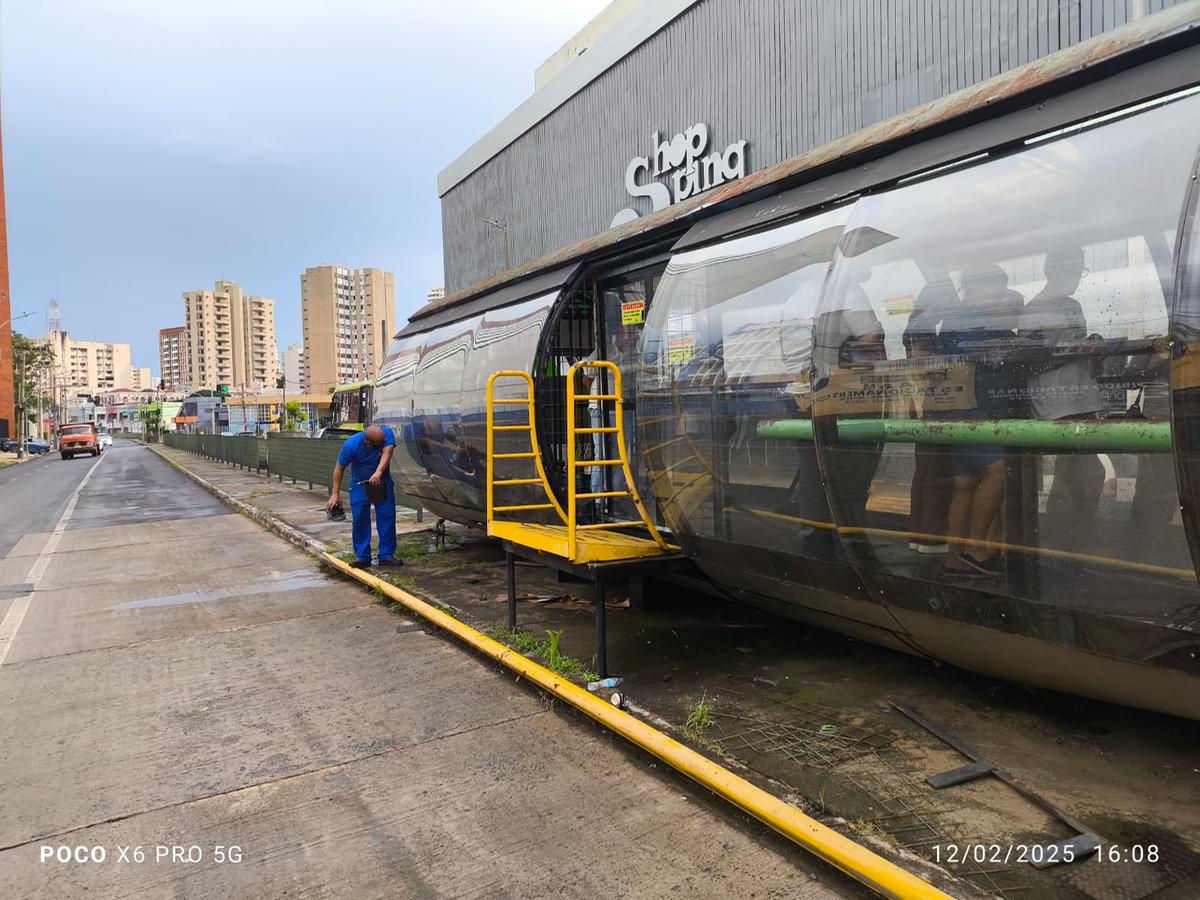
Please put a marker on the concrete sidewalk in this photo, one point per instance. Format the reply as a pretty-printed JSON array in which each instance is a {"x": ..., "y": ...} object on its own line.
[{"x": 185, "y": 679}]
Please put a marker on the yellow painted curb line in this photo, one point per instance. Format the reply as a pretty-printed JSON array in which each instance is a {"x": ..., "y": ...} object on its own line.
[{"x": 859, "y": 863}]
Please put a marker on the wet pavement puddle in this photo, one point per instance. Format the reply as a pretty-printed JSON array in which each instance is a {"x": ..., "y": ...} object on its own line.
[{"x": 277, "y": 582}]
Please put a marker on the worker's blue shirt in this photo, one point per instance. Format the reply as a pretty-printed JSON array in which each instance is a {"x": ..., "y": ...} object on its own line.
[{"x": 361, "y": 457}]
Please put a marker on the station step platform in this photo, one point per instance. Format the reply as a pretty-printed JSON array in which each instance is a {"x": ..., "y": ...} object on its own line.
[{"x": 590, "y": 546}]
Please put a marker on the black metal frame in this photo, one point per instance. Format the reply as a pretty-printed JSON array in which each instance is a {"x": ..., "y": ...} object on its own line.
[{"x": 599, "y": 574}]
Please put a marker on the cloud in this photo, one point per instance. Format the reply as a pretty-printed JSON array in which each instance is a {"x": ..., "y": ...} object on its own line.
[{"x": 154, "y": 147}]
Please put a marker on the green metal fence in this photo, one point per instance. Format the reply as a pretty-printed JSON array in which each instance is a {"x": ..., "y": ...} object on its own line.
[{"x": 302, "y": 460}]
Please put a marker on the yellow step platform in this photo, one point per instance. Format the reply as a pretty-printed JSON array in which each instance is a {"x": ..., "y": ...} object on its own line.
[{"x": 590, "y": 546}]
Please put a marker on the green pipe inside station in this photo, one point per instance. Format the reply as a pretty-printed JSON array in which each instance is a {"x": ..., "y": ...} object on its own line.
[{"x": 1121, "y": 435}]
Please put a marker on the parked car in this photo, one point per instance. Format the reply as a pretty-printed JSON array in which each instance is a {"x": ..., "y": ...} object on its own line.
[
  {"x": 32, "y": 445},
  {"x": 78, "y": 437}
]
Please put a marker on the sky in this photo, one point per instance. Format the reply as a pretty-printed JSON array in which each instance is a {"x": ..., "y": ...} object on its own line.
[{"x": 153, "y": 147}]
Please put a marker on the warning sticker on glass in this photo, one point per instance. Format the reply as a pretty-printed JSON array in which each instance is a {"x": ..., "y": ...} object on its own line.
[
  {"x": 633, "y": 312},
  {"x": 681, "y": 349}
]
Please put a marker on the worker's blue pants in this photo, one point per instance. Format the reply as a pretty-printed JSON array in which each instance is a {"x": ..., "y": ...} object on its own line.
[{"x": 385, "y": 522}]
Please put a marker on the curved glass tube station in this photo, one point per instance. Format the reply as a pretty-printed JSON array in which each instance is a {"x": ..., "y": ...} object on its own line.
[{"x": 943, "y": 396}]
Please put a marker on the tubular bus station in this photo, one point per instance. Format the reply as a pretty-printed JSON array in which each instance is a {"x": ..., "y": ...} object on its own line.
[{"x": 920, "y": 369}]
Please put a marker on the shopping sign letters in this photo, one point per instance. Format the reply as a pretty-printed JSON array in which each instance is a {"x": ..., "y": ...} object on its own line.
[{"x": 688, "y": 169}]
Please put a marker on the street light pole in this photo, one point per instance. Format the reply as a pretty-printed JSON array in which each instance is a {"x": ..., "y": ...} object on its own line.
[{"x": 21, "y": 412}]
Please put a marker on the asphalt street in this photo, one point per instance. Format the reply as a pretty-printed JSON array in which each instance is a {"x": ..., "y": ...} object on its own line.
[{"x": 191, "y": 707}]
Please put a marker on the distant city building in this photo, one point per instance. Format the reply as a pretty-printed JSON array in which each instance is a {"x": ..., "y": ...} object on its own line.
[
  {"x": 230, "y": 338},
  {"x": 140, "y": 378},
  {"x": 349, "y": 316},
  {"x": 436, "y": 293},
  {"x": 293, "y": 363},
  {"x": 173, "y": 364},
  {"x": 91, "y": 366}
]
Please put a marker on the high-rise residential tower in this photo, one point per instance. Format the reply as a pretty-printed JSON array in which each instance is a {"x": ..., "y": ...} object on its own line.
[
  {"x": 349, "y": 316},
  {"x": 230, "y": 338},
  {"x": 293, "y": 364},
  {"x": 91, "y": 367},
  {"x": 173, "y": 363}
]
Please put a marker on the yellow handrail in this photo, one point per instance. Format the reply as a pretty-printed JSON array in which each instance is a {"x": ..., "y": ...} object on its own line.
[
  {"x": 534, "y": 451},
  {"x": 573, "y": 464}
]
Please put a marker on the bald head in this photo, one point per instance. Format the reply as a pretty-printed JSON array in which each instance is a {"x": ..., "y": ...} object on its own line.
[{"x": 374, "y": 436}]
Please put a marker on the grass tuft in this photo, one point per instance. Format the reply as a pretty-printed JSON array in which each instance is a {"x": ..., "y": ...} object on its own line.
[
  {"x": 545, "y": 651},
  {"x": 699, "y": 720}
]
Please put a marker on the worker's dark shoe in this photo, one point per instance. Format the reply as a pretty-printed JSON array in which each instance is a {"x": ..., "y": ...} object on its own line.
[
  {"x": 361, "y": 564},
  {"x": 391, "y": 563}
]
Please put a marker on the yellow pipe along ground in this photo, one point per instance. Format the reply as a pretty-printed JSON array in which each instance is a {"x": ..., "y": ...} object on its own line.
[{"x": 874, "y": 871}]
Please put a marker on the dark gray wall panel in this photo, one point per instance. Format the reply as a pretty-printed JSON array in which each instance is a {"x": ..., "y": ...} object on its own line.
[{"x": 786, "y": 75}]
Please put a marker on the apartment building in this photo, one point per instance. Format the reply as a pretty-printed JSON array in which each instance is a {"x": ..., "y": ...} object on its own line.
[
  {"x": 90, "y": 366},
  {"x": 257, "y": 361},
  {"x": 293, "y": 366},
  {"x": 349, "y": 316},
  {"x": 140, "y": 379},
  {"x": 230, "y": 338},
  {"x": 174, "y": 366}
]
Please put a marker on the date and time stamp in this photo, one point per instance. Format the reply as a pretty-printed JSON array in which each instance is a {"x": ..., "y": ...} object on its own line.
[{"x": 1044, "y": 855}]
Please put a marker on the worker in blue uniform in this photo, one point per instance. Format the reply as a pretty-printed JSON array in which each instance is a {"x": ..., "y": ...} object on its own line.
[{"x": 368, "y": 455}]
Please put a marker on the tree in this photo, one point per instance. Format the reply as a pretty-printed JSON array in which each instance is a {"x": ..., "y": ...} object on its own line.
[
  {"x": 151, "y": 416},
  {"x": 32, "y": 360},
  {"x": 296, "y": 416}
]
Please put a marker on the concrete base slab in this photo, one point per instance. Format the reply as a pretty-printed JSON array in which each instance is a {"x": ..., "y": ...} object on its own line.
[
  {"x": 473, "y": 814},
  {"x": 115, "y": 732}
]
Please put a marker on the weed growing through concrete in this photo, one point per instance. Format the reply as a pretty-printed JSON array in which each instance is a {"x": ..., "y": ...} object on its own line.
[
  {"x": 699, "y": 720},
  {"x": 546, "y": 651},
  {"x": 865, "y": 827}
]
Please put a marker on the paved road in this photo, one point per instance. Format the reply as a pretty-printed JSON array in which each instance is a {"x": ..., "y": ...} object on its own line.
[
  {"x": 34, "y": 494},
  {"x": 179, "y": 678}
]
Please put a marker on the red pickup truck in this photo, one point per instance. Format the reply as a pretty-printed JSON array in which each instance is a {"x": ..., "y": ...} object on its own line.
[{"x": 78, "y": 437}]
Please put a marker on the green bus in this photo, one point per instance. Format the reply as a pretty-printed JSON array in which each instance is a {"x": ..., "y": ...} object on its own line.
[{"x": 352, "y": 405}]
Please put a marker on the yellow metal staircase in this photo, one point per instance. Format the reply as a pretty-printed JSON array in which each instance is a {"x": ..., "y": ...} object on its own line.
[{"x": 586, "y": 543}]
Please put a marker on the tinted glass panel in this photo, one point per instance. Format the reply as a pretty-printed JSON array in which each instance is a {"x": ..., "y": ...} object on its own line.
[
  {"x": 393, "y": 407},
  {"x": 503, "y": 339},
  {"x": 992, "y": 376},
  {"x": 726, "y": 351},
  {"x": 432, "y": 388}
]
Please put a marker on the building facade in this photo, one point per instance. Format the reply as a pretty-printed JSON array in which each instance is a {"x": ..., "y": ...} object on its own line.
[
  {"x": 293, "y": 368},
  {"x": 671, "y": 75},
  {"x": 91, "y": 367},
  {"x": 349, "y": 316},
  {"x": 230, "y": 338},
  {"x": 256, "y": 353},
  {"x": 140, "y": 379},
  {"x": 173, "y": 363}
]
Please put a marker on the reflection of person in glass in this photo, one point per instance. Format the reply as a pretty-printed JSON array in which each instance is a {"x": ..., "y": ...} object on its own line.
[
  {"x": 1067, "y": 389},
  {"x": 932, "y": 483},
  {"x": 848, "y": 340},
  {"x": 980, "y": 328}
]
